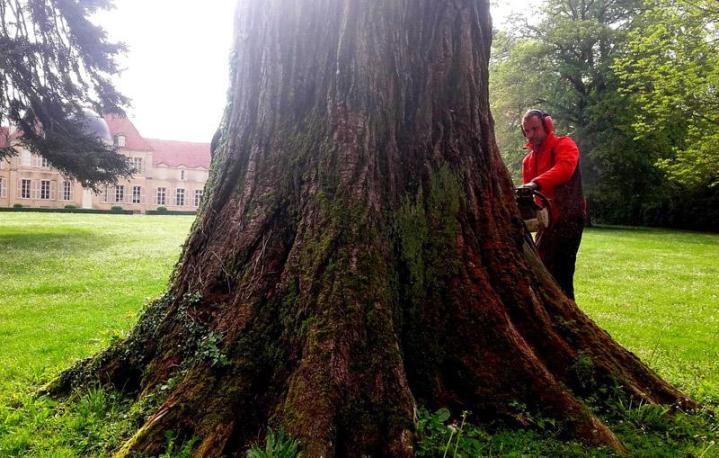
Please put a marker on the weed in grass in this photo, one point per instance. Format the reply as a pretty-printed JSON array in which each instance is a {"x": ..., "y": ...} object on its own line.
[
  {"x": 89, "y": 423},
  {"x": 184, "y": 450},
  {"x": 439, "y": 435},
  {"x": 460, "y": 430},
  {"x": 277, "y": 445},
  {"x": 650, "y": 430},
  {"x": 646, "y": 430}
]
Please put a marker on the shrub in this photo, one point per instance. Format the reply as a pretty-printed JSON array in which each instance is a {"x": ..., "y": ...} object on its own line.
[
  {"x": 17, "y": 206},
  {"x": 161, "y": 209},
  {"x": 116, "y": 208},
  {"x": 70, "y": 206},
  {"x": 277, "y": 445}
]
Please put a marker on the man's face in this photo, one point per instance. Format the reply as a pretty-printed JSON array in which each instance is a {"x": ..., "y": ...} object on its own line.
[{"x": 534, "y": 131}]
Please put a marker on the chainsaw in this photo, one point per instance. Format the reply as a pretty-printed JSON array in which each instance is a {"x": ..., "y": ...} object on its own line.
[{"x": 534, "y": 208}]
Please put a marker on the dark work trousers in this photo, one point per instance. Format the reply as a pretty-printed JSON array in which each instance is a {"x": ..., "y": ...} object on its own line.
[{"x": 558, "y": 248}]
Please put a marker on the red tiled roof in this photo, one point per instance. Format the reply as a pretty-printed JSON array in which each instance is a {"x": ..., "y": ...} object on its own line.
[
  {"x": 176, "y": 154},
  {"x": 122, "y": 125},
  {"x": 169, "y": 152}
]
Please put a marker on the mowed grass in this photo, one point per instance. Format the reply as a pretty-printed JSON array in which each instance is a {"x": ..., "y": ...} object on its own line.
[
  {"x": 69, "y": 283},
  {"x": 657, "y": 292}
]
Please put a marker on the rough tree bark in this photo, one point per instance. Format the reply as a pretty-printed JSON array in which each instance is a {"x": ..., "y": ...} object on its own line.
[{"x": 359, "y": 252}]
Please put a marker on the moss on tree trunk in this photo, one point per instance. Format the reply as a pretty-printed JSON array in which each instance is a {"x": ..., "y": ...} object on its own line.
[{"x": 359, "y": 252}]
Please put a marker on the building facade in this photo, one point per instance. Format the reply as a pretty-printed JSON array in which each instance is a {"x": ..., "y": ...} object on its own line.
[{"x": 169, "y": 174}]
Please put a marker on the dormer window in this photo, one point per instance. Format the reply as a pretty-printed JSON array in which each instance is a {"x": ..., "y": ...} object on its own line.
[
  {"x": 119, "y": 140},
  {"x": 40, "y": 162},
  {"x": 137, "y": 165},
  {"x": 182, "y": 174}
]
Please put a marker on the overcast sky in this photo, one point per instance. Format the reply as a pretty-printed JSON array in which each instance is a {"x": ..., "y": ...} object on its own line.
[{"x": 176, "y": 70}]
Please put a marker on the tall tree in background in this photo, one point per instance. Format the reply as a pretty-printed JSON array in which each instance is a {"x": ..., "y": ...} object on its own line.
[
  {"x": 635, "y": 83},
  {"x": 671, "y": 71},
  {"x": 54, "y": 65},
  {"x": 360, "y": 252},
  {"x": 563, "y": 64},
  {"x": 518, "y": 80},
  {"x": 563, "y": 60}
]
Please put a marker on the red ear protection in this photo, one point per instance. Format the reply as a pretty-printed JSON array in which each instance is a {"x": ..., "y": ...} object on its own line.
[
  {"x": 547, "y": 121},
  {"x": 548, "y": 124}
]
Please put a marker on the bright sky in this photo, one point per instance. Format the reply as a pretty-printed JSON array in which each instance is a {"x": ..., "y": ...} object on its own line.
[{"x": 176, "y": 69}]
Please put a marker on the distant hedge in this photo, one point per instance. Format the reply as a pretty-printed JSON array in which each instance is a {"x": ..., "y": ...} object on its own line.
[
  {"x": 697, "y": 210},
  {"x": 93, "y": 210},
  {"x": 169, "y": 212},
  {"x": 65, "y": 210}
]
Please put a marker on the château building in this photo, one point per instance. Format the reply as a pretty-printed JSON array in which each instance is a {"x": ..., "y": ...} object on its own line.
[{"x": 170, "y": 174}]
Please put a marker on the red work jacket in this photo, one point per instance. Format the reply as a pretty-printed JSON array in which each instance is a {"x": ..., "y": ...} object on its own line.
[{"x": 554, "y": 165}]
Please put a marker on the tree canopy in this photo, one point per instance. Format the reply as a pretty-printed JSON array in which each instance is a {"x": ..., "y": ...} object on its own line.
[
  {"x": 671, "y": 71},
  {"x": 54, "y": 65},
  {"x": 634, "y": 82}
]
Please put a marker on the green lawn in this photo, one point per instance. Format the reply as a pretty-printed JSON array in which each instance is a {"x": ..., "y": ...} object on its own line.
[
  {"x": 71, "y": 282},
  {"x": 657, "y": 292}
]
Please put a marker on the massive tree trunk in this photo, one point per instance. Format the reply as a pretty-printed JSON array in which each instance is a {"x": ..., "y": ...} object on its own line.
[{"x": 359, "y": 252}]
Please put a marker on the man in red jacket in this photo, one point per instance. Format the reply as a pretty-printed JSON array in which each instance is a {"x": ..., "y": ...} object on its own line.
[{"x": 552, "y": 168}]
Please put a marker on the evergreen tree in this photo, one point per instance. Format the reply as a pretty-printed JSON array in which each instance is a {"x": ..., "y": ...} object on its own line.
[{"x": 55, "y": 64}]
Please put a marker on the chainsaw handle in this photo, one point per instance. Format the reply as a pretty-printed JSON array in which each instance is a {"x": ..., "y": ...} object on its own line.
[
  {"x": 545, "y": 200},
  {"x": 547, "y": 205},
  {"x": 537, "y": 204}
]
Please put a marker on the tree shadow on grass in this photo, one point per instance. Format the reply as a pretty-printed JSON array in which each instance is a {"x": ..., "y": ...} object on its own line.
[
  {"x": 646, "y": 229},
  {"x": 50, "y": 241},
  {"x": 702, "y": 238}
]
